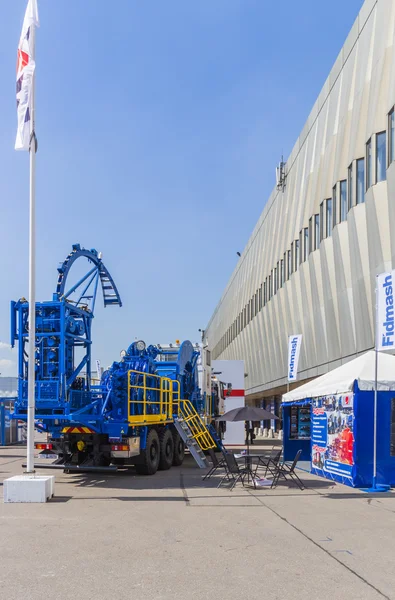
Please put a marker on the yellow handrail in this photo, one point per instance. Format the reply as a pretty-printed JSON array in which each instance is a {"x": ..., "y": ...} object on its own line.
[
  {"x": 155, "y": 399},
  {"x": 198, "y": 429},
  {"x": 158, "y": 400}
]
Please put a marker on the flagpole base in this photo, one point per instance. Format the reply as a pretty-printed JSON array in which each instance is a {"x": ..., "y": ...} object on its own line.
[
  {"x": 377, "y": 488},
  {"x": 29, "y": 488}
]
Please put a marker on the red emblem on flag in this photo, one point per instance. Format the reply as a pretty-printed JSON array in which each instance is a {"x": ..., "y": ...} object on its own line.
[{"x": 22, "y": 61}]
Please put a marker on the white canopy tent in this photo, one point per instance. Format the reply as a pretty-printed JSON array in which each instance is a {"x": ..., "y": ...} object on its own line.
[{"x": 341, "y": 380}]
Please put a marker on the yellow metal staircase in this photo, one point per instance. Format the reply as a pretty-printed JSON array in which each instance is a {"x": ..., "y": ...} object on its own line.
[
  {"x": 193, "y": 432},
  {"x": 155, "y": 400}
]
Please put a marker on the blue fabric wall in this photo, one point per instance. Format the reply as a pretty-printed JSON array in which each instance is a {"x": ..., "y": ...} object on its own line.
[{"x": 364, "y": 436}]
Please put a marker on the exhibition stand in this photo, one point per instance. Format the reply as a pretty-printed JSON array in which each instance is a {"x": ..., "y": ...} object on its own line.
[{"x": 332, "y": 420}]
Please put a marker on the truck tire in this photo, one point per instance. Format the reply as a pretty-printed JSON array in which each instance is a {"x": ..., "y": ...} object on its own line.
[
  {"x": 166, "y": 449},
  {"x": 179, "y": 449},
  {"x": 149, "y": 458}
]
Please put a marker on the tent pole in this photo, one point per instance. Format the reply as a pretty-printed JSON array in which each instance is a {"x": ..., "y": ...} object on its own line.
[{"x": 375, "y": 419}]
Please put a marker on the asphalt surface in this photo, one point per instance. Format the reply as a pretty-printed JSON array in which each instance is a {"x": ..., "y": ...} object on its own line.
[{"x": 172, "y": 536}]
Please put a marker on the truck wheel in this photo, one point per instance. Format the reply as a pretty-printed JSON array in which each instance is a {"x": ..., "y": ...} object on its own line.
[
  {"x": 166, "y": 449},
  {"x": 150, "y": 456},
  {"x": 179, "y": 450}
]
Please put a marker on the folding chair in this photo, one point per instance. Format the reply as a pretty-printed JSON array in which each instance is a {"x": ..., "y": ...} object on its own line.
[
  {"x": 216, "y": 464},
  {"x": 233, "y": 471},
  {"x": 271, "y": 463},
  {"x": 286, "y": 470}
]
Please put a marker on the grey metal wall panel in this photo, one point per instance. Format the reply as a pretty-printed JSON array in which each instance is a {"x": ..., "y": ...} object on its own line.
[{"x": 330, "y": 298}]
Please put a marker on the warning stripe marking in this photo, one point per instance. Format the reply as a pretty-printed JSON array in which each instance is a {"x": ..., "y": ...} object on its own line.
[{"x": 77, "y": 430}]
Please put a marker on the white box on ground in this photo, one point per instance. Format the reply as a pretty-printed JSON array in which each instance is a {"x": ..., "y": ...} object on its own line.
[
  {"x": 232, "y": 371},
  {"x": 29, "y": 488}
]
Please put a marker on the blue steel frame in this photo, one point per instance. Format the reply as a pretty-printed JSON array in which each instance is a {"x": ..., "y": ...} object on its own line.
[{"x": 63, "y": 327}]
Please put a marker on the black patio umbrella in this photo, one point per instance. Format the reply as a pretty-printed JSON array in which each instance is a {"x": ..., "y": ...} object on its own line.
[{"x": 247, "y": 413}]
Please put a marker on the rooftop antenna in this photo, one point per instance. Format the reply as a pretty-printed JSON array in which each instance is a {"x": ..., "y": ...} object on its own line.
[{"x": 280, "y": 175}]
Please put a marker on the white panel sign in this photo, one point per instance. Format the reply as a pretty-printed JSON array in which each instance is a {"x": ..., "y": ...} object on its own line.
[
  {"x": 99, "y": 369},
  {"x": 385, "y": 324},
  {"x": 232, "y": 371},
  {"x": 294, "y": 344}
]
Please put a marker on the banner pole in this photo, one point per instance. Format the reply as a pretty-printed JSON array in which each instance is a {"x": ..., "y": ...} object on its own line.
[
  {"x": 375, "y": 420},
  {"x": 32, "y": 278},
  {"x": 376, "y": 362}
]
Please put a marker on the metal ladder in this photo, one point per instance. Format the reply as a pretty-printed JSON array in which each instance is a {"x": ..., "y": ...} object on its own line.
[
  {"x": 110, "y": 292},
  {"x": 190, "y": 442}
]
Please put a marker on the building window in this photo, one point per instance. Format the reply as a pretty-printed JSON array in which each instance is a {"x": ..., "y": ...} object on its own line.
[
  {"x": 265, "y": 293},
  {"x": 321, "y": 221},
  {"x": 256, "y": 302},
  {"x": 329, "y": 219},
  {"x": 316, "y": 232},
  {"x": 260, "y": 297},
  {"x": 334, "y": 206},
  {"x": 343, "y": 200},
  {"x": 282, "y": 276},
  {"x": 269, "y": 294},
  {"x": 391, "y": 136},
  {"x": 301, "y": 241},
  {"x": 369, "y": 164},
  {"x": 360, "y": 181},
  {"x": 290, "y": 253},
  {"x": 306, "y": 244},
  {"x": 285, "y": 267},
  {"x": 381, "y": 142},
  {"x": 350, "y": 187},
  {"x": 311, "y": 235},
  {"x": 296, "y": 254}
]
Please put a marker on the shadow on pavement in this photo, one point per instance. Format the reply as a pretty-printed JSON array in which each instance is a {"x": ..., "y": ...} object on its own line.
[
  {"x": 360, "y": 496},
  {"x": 63, "y": 499},
  {"x": 11, "y": 456}
]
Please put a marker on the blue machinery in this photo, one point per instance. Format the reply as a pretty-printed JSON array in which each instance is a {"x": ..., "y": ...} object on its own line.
[{"x": 133, "y": 416}]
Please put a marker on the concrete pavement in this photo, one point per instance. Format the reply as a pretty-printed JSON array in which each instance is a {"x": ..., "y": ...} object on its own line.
[{"x": 171, "y": 537}]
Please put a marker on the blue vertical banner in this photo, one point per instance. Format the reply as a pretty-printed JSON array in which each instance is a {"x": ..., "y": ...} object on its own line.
[
  {"x": 294, "y": 344},
  {"x": 385, "y": 326}
]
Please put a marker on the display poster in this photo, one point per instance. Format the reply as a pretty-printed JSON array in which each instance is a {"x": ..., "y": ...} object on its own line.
[{"x": 332, "y": 435}]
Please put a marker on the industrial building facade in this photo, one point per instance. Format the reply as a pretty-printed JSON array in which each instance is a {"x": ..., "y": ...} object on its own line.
[{"x": 326, "y": 231}]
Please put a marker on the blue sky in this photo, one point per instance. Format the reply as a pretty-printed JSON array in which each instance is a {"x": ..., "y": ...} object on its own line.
[{"x": 160, "y": 125}]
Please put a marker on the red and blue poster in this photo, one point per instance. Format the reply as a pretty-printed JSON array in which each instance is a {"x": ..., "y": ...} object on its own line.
[{"x": 332, "y": 437}]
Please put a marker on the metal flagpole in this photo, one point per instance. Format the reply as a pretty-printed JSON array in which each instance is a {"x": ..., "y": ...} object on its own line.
[
  {"x": 32, "y": 273},
  {"x": 375, "y": 392},
  {"x": 375, "y": 420}
]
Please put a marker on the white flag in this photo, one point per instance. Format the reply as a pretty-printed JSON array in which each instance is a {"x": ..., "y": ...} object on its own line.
[
  {"x": 385, "y": 321},
  {"x": 294, "y": 343},
  {"x": 25, "y": 67}
]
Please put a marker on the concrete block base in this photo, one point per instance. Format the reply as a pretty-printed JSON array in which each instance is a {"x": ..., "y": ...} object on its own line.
[{"x": 29, "y": 488}]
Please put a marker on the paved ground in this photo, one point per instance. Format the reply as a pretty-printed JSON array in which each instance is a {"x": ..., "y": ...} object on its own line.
[{"x": 171, "y": 537}]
